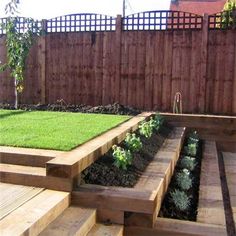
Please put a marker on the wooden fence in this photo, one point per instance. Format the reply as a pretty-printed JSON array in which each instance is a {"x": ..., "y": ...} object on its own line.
[{"x": 143, "y": 68}]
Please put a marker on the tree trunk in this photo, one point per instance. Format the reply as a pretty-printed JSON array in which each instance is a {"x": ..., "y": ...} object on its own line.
[{"x": 16, "y": 94}]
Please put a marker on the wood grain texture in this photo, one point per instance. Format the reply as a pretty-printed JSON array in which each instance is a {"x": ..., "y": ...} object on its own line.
[
  {"x": 73, "y": 221},
  {"x": 33, "y": 176},
  {"x": 210, "y": 205},
  {"x": 230, "y": 171},
  {"x": 143, "y": 69},
  {"x": 13, "y": 196},
  {"x": 108, "y": 230},
  {"x": 33, "y": 216}
]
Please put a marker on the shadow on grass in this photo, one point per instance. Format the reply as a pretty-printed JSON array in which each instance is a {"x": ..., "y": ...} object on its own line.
[{"x": 10, "y": 113}]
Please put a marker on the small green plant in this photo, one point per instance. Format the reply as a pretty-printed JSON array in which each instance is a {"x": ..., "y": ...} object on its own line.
[
  {"x": 156, "y": 122},
  {"x": 180, "y": 200},
  {"x": 188, "y": 162},
  {"x": 193, "y": 138},
  {"x": 146, "y": 129},
  {"x": 123, "y": 158},
  {"x": 184, "y": 180},
  {"x": 133, "y": 142},
  {"x": 191, "y": 149}
]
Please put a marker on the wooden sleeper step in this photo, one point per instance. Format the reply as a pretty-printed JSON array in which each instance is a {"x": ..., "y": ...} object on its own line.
[
  {"x": 73, "y": 221},
  {"x": 32, "y": 176},
  {"x": 33, "y": 216},
  {"x": 27, "y": 156},
  {"x": 106, "y": 230}
]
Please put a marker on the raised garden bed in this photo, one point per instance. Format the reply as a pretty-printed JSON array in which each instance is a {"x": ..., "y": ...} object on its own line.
[
  {"x": 181, "y": 199},
  {"x": 143, "y": 192},
  {"x": 137, "y": 203}
]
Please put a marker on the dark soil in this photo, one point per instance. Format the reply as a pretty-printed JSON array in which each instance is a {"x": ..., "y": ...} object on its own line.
[
  {"x": 115, "y": 108},
  {"x": 103, "y": 172},
  {"x": 168, "y": 209}
]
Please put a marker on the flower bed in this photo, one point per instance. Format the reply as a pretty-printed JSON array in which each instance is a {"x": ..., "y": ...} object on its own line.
[
  {"x": 181, "y": 200},
  {"x": 123, "y": 165}
]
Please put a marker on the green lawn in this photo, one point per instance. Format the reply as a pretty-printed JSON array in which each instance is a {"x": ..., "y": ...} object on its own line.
[{"x": 52, "y": 130}]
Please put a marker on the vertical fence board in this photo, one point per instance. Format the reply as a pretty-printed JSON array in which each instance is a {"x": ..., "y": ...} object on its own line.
[
  {"x": 167, "y": 71},
  {"x": 140, "y": 70}
]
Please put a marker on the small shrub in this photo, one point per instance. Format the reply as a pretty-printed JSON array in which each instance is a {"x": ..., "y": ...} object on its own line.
[
  {"x": 133, "y": 142},
  {"x": 180, "y": 200},
  {"x": 184, "y": 180},
  {"x": 191, "y": 149},
  {"x": 123, "y": 158},
  {"x": 156, "y": 122},
  {"x": 193, "y": 138},
  {"x": 188, "y": 162},
  {"x": 146, "y": 129}
]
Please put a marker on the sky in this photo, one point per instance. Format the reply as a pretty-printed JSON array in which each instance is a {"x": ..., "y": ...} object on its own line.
[{"x": 46, "y": 9}]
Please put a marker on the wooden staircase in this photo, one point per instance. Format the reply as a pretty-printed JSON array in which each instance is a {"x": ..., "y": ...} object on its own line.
[
  {"x": 80, "y": 222},
  {"x": 36, "y": 211},
  {"x": 31, "y": 212},
  {"x": 28, "y": 167}
]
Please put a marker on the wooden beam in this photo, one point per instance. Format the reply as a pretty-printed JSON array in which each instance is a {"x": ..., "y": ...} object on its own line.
[
  {"x": 117, "y": 198},
  {"x": 27, "y": 156},
  {"x": 33, "y": 176},
  {"x": 73, "y": 221},
  {"x": 210, "y": 205}
]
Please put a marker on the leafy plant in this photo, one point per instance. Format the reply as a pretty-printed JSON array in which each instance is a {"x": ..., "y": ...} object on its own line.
[
  {"x": 228, "y": 18},
  {"x": 184, "y": 180},
  {"x": 180, "y": 199},
  {"x": 122, "y": 157},
  {"x": 188, "y": 162},
  {"x": 193, "y": 138},
  {"x": 133, "y": 142},
  {"x": 18, "y": 44},
  {"x": 146, "y": 129},
  {"x": 191, "y": 149},
  {"x": 156, "y": 122}
]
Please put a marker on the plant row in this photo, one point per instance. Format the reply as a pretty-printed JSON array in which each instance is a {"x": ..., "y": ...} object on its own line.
[
  {"x": 182, "y": 196},
  {"x": 123, "y": 156}
]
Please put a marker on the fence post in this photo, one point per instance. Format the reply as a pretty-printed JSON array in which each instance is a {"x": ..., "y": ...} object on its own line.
[
  {"x": 116, "y": 92},
  {"x": 42, "y": 62},
  {"x": 203, "y": 78}
]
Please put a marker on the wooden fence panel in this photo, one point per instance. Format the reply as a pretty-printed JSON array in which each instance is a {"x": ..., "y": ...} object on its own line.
[
  {"x": 221, "y": 73},
  {"x": 143, "y": 69}
]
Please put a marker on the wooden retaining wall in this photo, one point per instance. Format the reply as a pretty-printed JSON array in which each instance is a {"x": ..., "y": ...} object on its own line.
[{"x": 143, "y": 69}]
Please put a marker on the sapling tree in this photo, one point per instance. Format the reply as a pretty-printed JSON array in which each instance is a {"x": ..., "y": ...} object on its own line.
[{"x": 18, "y": 44}]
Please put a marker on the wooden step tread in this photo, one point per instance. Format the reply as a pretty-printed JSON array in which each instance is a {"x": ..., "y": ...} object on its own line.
[
  {"x": 230, "y": 171},
  {"x": 210, "y": 206},
  {"x": 73, "y": 221},
  {"x": 27, "y": 170},
  {"x": 33, "y": 216},
  {"x": 13, "y": 196},
  {"x": 106, "y": 230},
  {"x": 27, "y": 156},
  {"x": 182, "y": 227}
]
